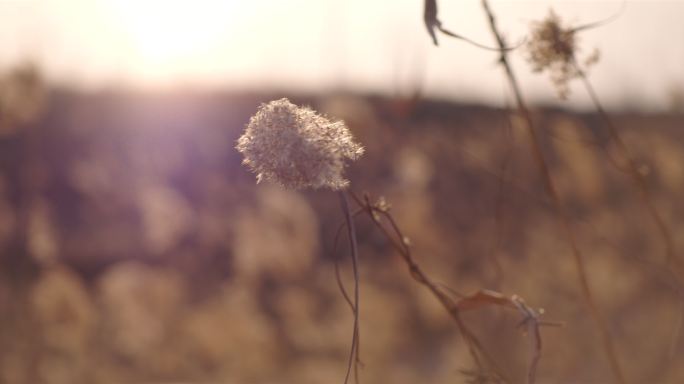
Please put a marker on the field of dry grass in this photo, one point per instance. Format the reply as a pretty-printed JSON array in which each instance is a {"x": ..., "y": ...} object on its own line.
[{"x": 134, "y": 248}]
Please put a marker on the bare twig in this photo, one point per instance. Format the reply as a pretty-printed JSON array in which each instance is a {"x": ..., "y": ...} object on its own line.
[
  {"x": 377, "y": 213},
  {"x": 400, "y": 243}
]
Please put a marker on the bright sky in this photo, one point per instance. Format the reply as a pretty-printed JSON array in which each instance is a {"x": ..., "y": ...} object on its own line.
[{"x": 376, "y": 45}]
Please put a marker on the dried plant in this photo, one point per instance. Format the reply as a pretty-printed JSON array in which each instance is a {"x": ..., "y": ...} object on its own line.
[
  {"x": 553, "y": 48},
  {"x": 296, "y": 147},
  {"x": 236, "y": 333},
  {"x": 550, "y": 54},
  {"x": 672, "y": 258},
  {"x": 486, "y": 367},
  {"x": 434, "y": 25}
]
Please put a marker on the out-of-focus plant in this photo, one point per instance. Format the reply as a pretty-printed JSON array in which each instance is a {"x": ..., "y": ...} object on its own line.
[
  {"x": 22, "y": 96},
  {"x": 554, "y": 48},
  {"x": 564, "y": 44},
  {"x": 553, "y": 55},
  {"x": 434, "y": 25},
  {"x": 141, "y": 307}
]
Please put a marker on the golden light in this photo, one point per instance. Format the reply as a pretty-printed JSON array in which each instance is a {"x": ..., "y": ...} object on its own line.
[{"x": 172, "y": 37}]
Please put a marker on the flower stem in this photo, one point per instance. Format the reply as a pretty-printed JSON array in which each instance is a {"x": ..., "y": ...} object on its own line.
[{"x": 351, "y": 231}]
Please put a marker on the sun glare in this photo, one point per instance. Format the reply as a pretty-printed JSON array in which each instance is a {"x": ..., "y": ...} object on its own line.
[{"x": 172, "y": 37}]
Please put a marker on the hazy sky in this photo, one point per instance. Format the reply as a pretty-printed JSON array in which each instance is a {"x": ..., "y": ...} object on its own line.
[{"x": 377, "y": 45}]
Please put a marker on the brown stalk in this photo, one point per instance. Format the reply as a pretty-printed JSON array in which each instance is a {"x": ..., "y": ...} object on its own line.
[
  {"x": 632, "y": 168},
  {"x": 351, "y": 232},
  {"x": 564, "y": 221}
]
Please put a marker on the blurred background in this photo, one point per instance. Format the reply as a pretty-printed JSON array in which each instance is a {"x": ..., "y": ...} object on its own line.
[
  {"x": 335, "y": 45},
  {"x": 135, "y": 248}
]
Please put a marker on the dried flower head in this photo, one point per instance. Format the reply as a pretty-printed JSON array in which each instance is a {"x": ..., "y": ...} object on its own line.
[
  {"x": 296, "y": 147},
  {"x": 553, "y": 47}
]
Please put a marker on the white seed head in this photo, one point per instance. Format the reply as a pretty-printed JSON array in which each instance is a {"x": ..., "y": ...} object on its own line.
[{"x": 296, "y": 147}]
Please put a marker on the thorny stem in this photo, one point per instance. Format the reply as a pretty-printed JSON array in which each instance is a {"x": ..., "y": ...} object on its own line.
[
  {"x": 633, "y": 168},
  {"x": 564, "y": 221},
  {"x": 351, "y": 231}
]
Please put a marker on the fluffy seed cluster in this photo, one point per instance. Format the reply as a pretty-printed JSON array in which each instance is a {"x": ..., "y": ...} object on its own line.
[
  {"x": 296, "y": 147},
  {"x": 553, "y": 47}
]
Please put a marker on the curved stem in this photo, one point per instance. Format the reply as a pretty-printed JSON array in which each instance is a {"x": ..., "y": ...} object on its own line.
[{"x": 351, "y": 231}]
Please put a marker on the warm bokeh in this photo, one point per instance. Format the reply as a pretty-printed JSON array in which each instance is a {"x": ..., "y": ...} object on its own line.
[
  {"x": 357, "y": 45},
  {"x": 136, "y": 248}
]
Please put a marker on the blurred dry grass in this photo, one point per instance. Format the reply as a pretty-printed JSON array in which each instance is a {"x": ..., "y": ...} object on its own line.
[{"x": 135, "y": 248}]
